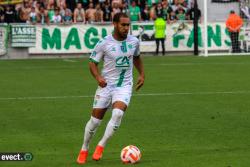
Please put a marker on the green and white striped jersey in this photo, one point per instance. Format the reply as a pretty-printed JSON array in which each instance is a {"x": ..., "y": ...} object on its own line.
[{"x": 118, "y": 59}]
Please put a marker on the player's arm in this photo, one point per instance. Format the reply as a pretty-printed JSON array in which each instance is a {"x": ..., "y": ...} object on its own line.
[
  {"x": 139, "y": 67},
  {"x": 95, "y": 58},
  {"x": 93, "y": 67}
]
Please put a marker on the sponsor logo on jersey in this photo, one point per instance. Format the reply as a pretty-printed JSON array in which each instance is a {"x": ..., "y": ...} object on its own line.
[
  {"x": 122, "y": 61},
  {"x": 93, "y": 54}
]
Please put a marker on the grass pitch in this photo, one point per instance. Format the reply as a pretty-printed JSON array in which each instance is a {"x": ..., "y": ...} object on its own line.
[{"x": 192, "y": 112}]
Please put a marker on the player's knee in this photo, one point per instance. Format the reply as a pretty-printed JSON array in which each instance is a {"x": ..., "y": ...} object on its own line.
[
  {"x": 117, "y": 115},
  {"x": 95, "y": 122}
]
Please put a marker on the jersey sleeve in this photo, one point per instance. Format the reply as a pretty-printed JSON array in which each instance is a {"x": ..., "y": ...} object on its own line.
[
  {"x": 98, "y": 52},
  {"x": 137, "y": 48}
]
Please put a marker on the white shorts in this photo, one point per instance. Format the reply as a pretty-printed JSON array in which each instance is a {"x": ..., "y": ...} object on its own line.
[{"x": 106, "y": 96}]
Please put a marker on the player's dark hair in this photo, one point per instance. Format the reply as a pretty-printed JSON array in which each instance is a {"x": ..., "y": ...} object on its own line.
[{"x": 117, "y": 17}]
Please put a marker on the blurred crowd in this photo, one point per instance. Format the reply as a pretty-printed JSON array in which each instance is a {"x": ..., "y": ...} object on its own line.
[{"x": 88, "y": 11}]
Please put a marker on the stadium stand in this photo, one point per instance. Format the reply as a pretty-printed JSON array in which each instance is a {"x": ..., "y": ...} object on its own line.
[{"x": 41, "y": 11}]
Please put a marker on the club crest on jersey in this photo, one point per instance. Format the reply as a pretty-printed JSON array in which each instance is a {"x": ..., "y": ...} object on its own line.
[
  {"x": 122, "y": 61},
  {"x": 123, "y": 49}
]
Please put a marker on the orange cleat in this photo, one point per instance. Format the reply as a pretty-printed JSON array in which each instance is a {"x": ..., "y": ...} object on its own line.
[
  {"x": 98, "y": 153},
  {"x": 82, "y": 157}
]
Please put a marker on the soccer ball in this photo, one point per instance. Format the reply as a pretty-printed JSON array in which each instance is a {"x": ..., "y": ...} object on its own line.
[{"x": 130, "y": 154}]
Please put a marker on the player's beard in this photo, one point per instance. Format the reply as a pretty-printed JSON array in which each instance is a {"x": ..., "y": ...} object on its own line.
[{"x": 123, "y": 35}]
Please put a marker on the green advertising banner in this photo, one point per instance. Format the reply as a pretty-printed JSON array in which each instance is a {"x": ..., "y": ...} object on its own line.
[
  {"x": 68, "y": 39},
  {"x": 82, "y": 38},
  {"x": 23, "y": 35},
  {"x": 179, "y": 36},
  {"x": 3, "y": 39}
]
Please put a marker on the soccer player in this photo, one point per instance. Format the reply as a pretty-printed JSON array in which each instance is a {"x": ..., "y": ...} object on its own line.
[{"x": 119, "y": 53}]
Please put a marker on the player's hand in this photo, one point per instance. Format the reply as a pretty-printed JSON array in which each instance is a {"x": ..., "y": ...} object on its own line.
[
  {"x": 139, "y": 83},
  {"x": 101, "y": 81}
]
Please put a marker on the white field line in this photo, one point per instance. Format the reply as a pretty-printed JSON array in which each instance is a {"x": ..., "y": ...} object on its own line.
[
  {"x": 146, "y": 64},
  {"x": 135, "y": 95},
  {"x": 191, "y": 64},
  {"x": 70, "y": 60}
]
